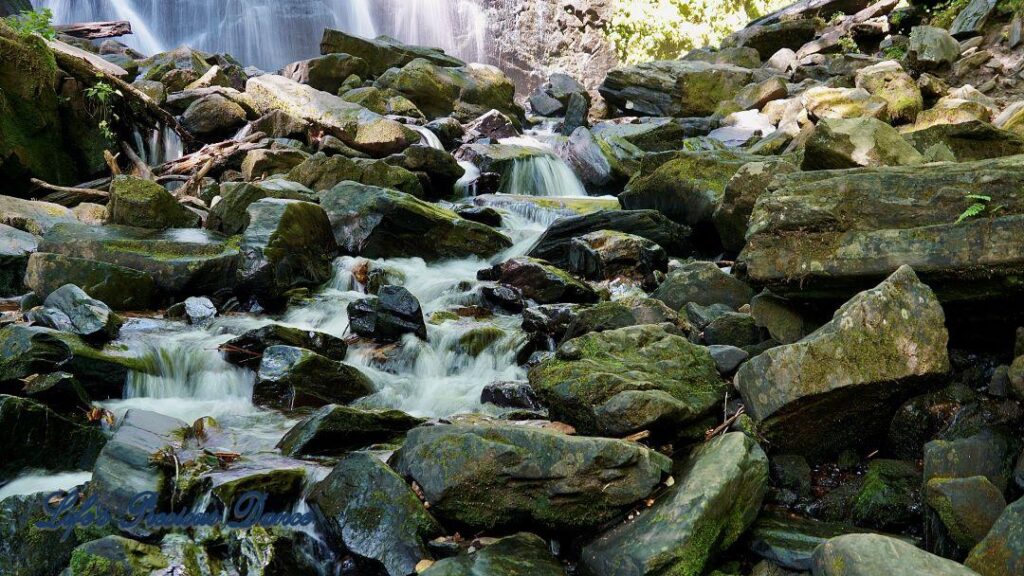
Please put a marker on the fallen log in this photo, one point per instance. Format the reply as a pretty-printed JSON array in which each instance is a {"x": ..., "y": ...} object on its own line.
[
  {"x": 96, "y": 30},
  {"x": 70, "y": 197},
  {"x": 832, "y": 35},
  {"x": 212, "y": 154}
]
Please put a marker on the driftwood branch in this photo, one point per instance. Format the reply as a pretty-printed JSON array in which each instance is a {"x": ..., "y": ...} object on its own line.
[
  {"x": 96, "y": 30},
  {"x": 139, "y": 168},
  {"x": 833, "y": 34},
  {"x": 66, "y": 196},
  {"x": 218, "y": 153}
]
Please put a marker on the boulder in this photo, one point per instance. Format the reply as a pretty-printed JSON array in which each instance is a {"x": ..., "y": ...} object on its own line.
[
  {"x": 248, "y": 347},
  {"x": 288, "y": 244},
  {"x": 326, "y": 73},
  {"x": 146, "y": 204},
  {"x": 540, "y": 281},
  {"x": 354, "y": 125},
  {"x": 877, "y": 348},
  {"x": 853, "y": 142},
  {"x": 278, "y": 124},
  {"x": 514, "y": 394},
  {"x": 335, "y": 430},
  {"x": 931, "y": 48},
  {"x": 367, "y": 509},
  {"x": 862, "y": 224},
  {"x": 733, "y": 329},
  {"x": 768, "y": 39},
  {"x": 952, "y": 110},
  {"x": 622, "y": 381},
  {"x": 89, "y": 318},
  {"x": 785, "y": 323},
  {"x": 606, "y": 254},
  {"x": 321, "y": 172},
  {"x": 1001, "y": 552},
  {"x": 890, "y": 82},
  {"x": 213, "y": 118},
  {"x": 16, "y": 247},
  {"x": 116, "y": 555},
  {"x": 386, "y": 102},
  {"x": 631, "y": 311},
  {"x": 230, "y": 215},
  {"x": 60, "y": 391},
  {"x": 826, "y": 102},
  {"x": 790, "y": 541},
  {"x": 387, "y": 317},
  {"x": 521, "y": 554},
  {"x": 968, "y": 141},
  {"x": 714, "y": 500},
  {"x": 967, "y": 507},
  {"x": 376, "y": 222},
  {"x": 499, "y": 476},
  {"x": 603, "y": 164},
  {"x": 441, "y": 169},
  {"x": 262, "y": 162},
  {"x": 677, "y": 88},
  {"x": 741, "y": 192},
  {"x": 465, "y": 93},
  {"x": 554, "y": 245},
  {"x": 970, "y": 21},
  {"x": 702, "y": 283},
  {"x": 119, "y": 287},
  {"x": 36, "y": 437},
  {"x": 33, "y": 216},
  {"x": 873, "y": 554},
  {"x": 988, "y": 454},
  {"x": 26, "y": 549},
  {"x": 383, "y": 52},
  {"x": 291, "y": 377}
]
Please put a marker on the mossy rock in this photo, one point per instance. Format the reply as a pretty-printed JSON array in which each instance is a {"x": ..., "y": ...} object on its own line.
[
  {"x": 26, "y": 549},
  {"x": 146, "y": 204},
  {"x": 116, "y": 556},
  {"x": 967, "y": 507},
  {"x": 874, "y": 554},
  {"x": 702, "y": 283},
  {"x": 335, "y": 430},
  {"x": 119, "y": 287},
  {"x": 321, "y": 173},
  {"x": 521, "y": 554},
  {"x": 889, "y": 497},
  {"x": 37, "y": 437},
  {"x": 1002, "y": 550},
  {"x": 230, "y": 215},
  {"x": 291, "y": 377}
]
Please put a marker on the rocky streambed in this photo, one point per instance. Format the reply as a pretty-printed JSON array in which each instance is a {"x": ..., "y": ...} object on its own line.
[{"x": 757, "y": 318}]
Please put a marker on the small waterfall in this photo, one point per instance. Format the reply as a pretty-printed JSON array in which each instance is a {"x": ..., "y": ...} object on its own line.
[
  {"x": 466, "y": 186},
  {"x": 33, "y": 481},
  {"x": 457, "y": 26},
  {"x": 427, "y": 137},
  {"x": 159, "y": 145},
  {"x": 542, "y": 174}
]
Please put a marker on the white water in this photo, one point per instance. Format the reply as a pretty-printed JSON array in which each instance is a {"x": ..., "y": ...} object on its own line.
[
  {"x": 32, "y": 481},
  {"x": 272, "y": 33},
  {"x": 427, "y": 138},
  {"x": 542, "y": 174}
]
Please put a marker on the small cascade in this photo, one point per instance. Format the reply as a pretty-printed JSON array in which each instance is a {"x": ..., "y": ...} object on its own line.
[
  {"x": 541, "y": 174},
  {"x": 33, "y": 481},
  {"x": 427, "y": 137},
  {"x": 159, "y": 146},
  {"x": 466, "y": 186}
]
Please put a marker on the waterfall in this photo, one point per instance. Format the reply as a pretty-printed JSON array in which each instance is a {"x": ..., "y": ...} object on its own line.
[
  {"x": 427, "y": 137},
  {"x": 541, "y": 174}
]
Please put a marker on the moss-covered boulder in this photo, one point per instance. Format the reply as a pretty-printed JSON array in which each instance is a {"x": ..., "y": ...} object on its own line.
[
  {"x": 714, "y": 500},
  {"x": 827, "y": 102},
  {"x": 16, "y": 247},
  {"x": 702, "y": 283},
  {"x": 621, "y": 313},
  {"x": 334, "y": 430},
  {"x": 988, "y": 453},
  {"x": 853, "y": 142},
  {"x": 320, "y": 172},
  {"x": 38, "y": 438},
  {"x": 878, "y": 347},
  {"x": 521, "y": 554},
  {"x": 86, "y": 316},
  {"x": 247, "y": 349},
  {"x": 119, "y": 287},
  {"x": 889, "y": 496},
  {"x": 386, "y": 102},
  {"x": 116, "y": 556},
  {"x": 230, "y": 215},
  {"x": 377, "y": 223},
  {"x": 26, "y": 549},
  {"x": 967, "y": 507},
  {"x": 892, "y": 83},
  {"x": 213, "y": 118},
  {"x": 540, "y": 281},
  {"x": 968, "y": 141},
  {"x": 262, "y": 162},
  {"x": 382, "y": 52},
  {"x": 291, "y": 377},
  {"x": 750, "y": 182},
  {"x": 356, "y": 126},
  {"x": 502, "y": 476},
  {"x": 464, "y": 93},
  {"x": 673, "y": 87},
  {"x": 1001, "y": 552},
  {"x": 790, "y": 541},
  {"x": 288, "y": 244},
  {"x": 606, "y": 254},
  {"x": 326, "y": 73},
  {"x": 623, "y": 381},
  {"x": 33, "y": 216},
  {"x": 146, "y": 204},
  {"x": 873, "y": 554}
]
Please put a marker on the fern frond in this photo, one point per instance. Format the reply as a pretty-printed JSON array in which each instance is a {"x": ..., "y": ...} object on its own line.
[{"x": 972, "y": 211}]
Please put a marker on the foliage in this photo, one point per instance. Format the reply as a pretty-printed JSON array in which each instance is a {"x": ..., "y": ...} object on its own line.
[
  {"x": 646, "y": 30},
  {"x": 1010, "y": 6},
  {"x": 977, "y": 208},
  {"x": 101, "y": 97},
  {"x": 31, "y": 22},
  {"x": 894, "y": 53},
  {"x": 944, "y": 14},
  {"x": 847, "y": 45}
]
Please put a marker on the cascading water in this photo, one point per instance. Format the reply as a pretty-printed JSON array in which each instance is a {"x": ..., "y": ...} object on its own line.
[{"x": 541, "y": 174}]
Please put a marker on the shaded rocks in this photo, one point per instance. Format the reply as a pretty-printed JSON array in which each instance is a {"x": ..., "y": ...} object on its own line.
[
  {"x": 515, "y": 394},
  {"x": 334, "y": 430},
  {"x": 521, "y": 554},
  {"x": 622, "y": 381},
  {"x": 1001, "y": 552},
  {"x": 366, "y": 508},
  {"x": 554, "y": 245},
  {"x": 213, "y": 118},
  {"x": 605, "y": 255},
  {"x": 968, "y": 141},
  {"x": 36, "y": 437},
  {"x": 288, "y": 244},
  {"x": 16, "y": 247},
  {"x": 853, "y": 142},
  {"x": 967, "y": 507},
  {"x": 715, "y": 499},
  {"x": 503, "y": 476},
  {"x": 26, "y": 549},
  {"x": 877, "y": 347},
  {"x": 872, "y": 554},
  {"x": 146, "y": 204},
  {"x": 392, "y": 314},
  {"x": 290, "y": 377},
  {"x": 375, "y": 223},
  {"x": 702, "y": 283},
  {"x": 89, "y": 318},
  {"x": 382, "y": 52},
  {"x": 676, "y": 88},
  {"x": 327, "y": 73},
  {"x": 116, "y": 555},
  {"x": 540, "y": 281},
  {"x": 230, "y": 215},
  {"x": 248, "y": 347}
]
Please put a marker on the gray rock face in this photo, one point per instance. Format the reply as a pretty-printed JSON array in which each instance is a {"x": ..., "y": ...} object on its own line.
[
  {"x": 874, "y": 554},
  {"x": 367, "y": 509},
  {"x": 876, "y": 348},
  {"x": 712, "y": 503},
  {"x": 932, "y": 48},
  {"x": 247, "y": 348},
  {"x": 540, "y": 281},
  {"x": 119, "y": 287},
  {"x": 502, "y": 476},
  {"x": 326, "y": 73},
  {"x": 1002, "y": 550},
  {"x": 291, "y": 377},
  {"x": 334, "y": 430},
  {"x": 673, "y": 87},
  {"x": 89, "y": 318},
  {"x": 393, "y": 313},
  {"x": 702, "y": 283}
]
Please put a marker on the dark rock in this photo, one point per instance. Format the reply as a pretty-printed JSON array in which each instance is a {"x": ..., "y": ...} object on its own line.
[
  {"x": 969, "y": 141},
  {"x": 505, "y": 297},
  {"x": 326, "y": 73},
  {"x": 481, "y": 214},
  {"x": 987, "y": 454},
  {"x": 213, "y": 118},
  {"x": 37, "y": 437},
  {"x": 1002, "y": 550},
  {"x": 335, "y": 430},
  {"x": 515, "y": 394},
  {"x": 119, "y": 287},
  {"x": 791, "y": 541},
  {"x": 89, "y": 318},
  {"x": 291, "y": 377},
  {"x": 517, "y": 555},
  {"x": 26, "y": 549},
  {"x": 727, "y": 358},
  {"x": 146, "y": 204},
  {"x": 58, "y": 390},
  {"x": 576, "y": 114},
  {"x": 540, "y": 281},
  {"x": 392, "y": 314},
  {"x": 768, "y": 39},
  {"x": 30, "y": 350},
  {"x": 448, "y": 130},
  {"x": 732, "y": 329},
  {"x": 16, "y": 247},
  {"x": 967, "y": 507},
  {"x": 888, "y": 497},
  {"x": 873, "y": 554},
  {"x": 621, "y": 313},
  {"x": 248, "y": 348},
  {"x": 493, "y": 125},
  {"x": 702, "y": 283}
]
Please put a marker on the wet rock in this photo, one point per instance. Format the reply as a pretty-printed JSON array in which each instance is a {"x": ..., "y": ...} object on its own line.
[
  {"x": 89, "y": 318},
  {"x": 291, "y": 377},
  {"x": 517, "y": 555},
  {"x": 888, "y": 497},
  {"x": 931, "y": 48},
  {"x": 602, "y": 164},
  {"x": 856, "y": 353},
  {"x": 986, "y": 454},
  {"x": 716, "y": 498},
  {"x": 116, "y": 555},
  {"x": 968, "y": 141},
  {"x": 199, "y": 311},
  {"x": 354, "y": 125},
  {"x": 326, "y": 73},
  {"x": 741, "y": 192},
  {"x": 448, "y": 130},
  {"x": 321, "y": 172},
  {"x": 505, "y": 297},
  {"x": 278, "y": 124},
  {"x": 37, "y": 437},
  {"x": 146, "y": 204},
  {"x": 230, "y": 215},
  {"x": 554, "y": 245},
  {"x": 849, "y": 143},
  {"x": 16, "y": 247},
  {"x": 288, "y": 244},
  {"x": 515, "y": 394},
  {"x": 382, "y": 52},
  {"x": 503, "y": 475},
  {"x": 604, "y": 255},
  {"x": 623, "y": 381},
  {"x": 1002, "y": 550},
  {"x": 440, "y": 167},
  {"x": 375, "y": 222},
  {"x": 889, "y": 81},
  {"x": 872, "y": 554},
  {"x": 334, "y": 430},
  {"x": 493, "y": 126},
  {"x": 213, "y": 118},
  {"x": 702, "y": 283},
  {"x": 27, "y": 550},
  {"x": 540, "y": 281},
  {"x": 727, "y": 358},
  {"x": 60, "y": 391},
  {"x": 733, "y": 329},
  {"x": 247, "y": 348},
  {"x": 576, "y": 114},
  {"x": 632, "y": 311},
  {"x": 392, "y": 314},
  {"x": 481, "y": 214},
  {"x": 967, "y": 507},
  {"x": 30, "y": 350},
  {"x": 673, "y": 87},
  {"x": 366, "y": 508},
  {"x": 790, "y": 541},
  {"x": 261, "y": 163}
]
